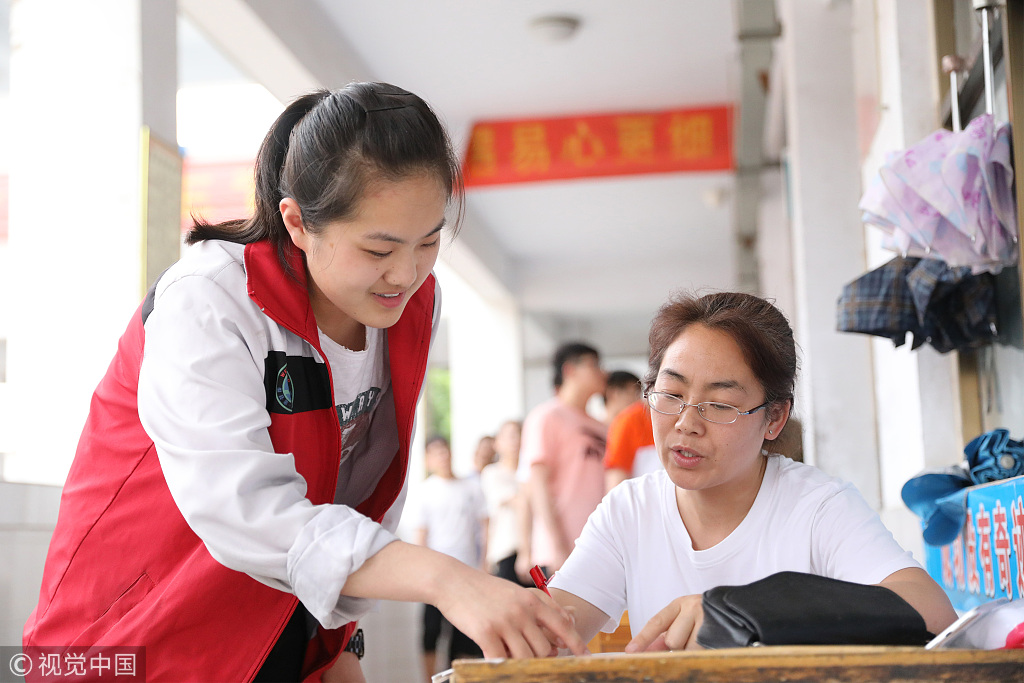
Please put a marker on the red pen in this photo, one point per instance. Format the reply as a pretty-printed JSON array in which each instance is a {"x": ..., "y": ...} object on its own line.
[{"x": 539, "y": 580}]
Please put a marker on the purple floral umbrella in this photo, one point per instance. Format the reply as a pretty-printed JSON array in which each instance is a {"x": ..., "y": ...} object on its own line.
[{"x": 950, "y": 196}]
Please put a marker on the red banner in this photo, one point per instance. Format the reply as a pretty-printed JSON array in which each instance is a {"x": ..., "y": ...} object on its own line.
[{"x": 612, "y": 144}]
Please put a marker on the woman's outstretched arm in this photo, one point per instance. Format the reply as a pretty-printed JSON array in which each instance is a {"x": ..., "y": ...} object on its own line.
[
  {"x": 504, "y": 619},
  {"x": 920, "y": 590}
]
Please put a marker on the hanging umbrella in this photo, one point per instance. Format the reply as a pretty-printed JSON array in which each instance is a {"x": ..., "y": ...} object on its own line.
[
  {"x": 985, "y": 155},
  {"x": 978, "y": 198},
  {"x": 950, "y": 196},
  {"x": 948, "y": 308},
  {"x": 891, "y": 204}
]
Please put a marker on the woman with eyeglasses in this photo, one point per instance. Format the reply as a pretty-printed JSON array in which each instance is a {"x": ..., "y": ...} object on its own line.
[{"x": 724, "y": 510}]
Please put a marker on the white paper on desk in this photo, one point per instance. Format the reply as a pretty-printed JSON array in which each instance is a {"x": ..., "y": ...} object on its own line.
[
  {"x": 983, "y": 628},
  {"x": 446, "y": 675},
  {"x": 442, "y": 676}
]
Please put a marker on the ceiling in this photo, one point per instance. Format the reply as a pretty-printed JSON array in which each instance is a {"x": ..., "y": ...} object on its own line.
[{"x": 590, "y": 257}]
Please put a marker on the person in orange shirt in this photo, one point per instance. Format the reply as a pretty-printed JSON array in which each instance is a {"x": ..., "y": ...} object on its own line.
[
  {"x": 622, "y": 390},
  {"x": 630, "y": 451}
]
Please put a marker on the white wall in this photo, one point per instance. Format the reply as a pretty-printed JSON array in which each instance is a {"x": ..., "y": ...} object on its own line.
[
  {"x": 76, "y": 193},
  {"x": 834, "y": 396},
  {"x": 485, "y": 356},
  {"x": 916, "y": 392},
  {"x": 6, "y": 282},
  {"x": 28, "y": 514}
]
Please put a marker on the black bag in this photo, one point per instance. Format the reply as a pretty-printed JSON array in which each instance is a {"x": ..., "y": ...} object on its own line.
[{"x": 791, "y": 608}]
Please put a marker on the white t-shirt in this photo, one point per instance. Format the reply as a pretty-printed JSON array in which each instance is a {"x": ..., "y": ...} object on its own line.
[
  {"x": 646, "y": 461},
  {"x": 635, "y": 553},
  {"x": 360, "y": 379},
  {"x": 499, "y": 487},
  {"x": 451, "y": 510}
]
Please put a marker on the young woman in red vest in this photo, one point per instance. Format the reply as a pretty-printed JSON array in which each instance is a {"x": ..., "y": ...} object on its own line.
[{"x": 233, "y": 501}]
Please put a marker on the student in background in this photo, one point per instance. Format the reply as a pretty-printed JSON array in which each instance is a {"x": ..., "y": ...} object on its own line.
[
  {"x": 563, "y": 447},
  {"x": 483, "y": 455},
  {"x": 631, "y": 451},
  {"x": 621, "y": 391},
  {"x": 630, "y": 440},
  {"x": 722, "y": 511},
  {"x": 501, "y": 491},
  {"x": 450, "y": 516}
]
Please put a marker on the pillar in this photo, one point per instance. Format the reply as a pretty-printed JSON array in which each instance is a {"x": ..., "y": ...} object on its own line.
[{"x": 835, "y": 395}]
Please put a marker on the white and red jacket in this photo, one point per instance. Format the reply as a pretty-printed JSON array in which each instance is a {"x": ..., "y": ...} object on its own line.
[{"x": 201, "y": 504}]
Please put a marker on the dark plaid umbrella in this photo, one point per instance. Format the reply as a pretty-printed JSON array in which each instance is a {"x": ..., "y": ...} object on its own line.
[{"x": 949, "y": 308}]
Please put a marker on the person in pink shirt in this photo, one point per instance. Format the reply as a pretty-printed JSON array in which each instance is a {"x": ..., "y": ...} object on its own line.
[{"x": 563, "y": 449}]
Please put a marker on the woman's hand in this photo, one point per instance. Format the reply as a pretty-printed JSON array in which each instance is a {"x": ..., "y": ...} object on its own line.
[
  {"x": 506, "y": 620},
  {"x": 673, "y": 628},
  {"x": 569, "y": 610}
]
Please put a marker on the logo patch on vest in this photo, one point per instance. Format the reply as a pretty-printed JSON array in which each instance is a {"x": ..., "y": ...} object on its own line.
[
  {"x": 295, "y": 384},
  {"x": 285, "y": 390}
]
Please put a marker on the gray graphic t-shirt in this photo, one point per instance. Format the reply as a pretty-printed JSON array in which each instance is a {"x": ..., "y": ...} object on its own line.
[{"x": 360, "y": 379}]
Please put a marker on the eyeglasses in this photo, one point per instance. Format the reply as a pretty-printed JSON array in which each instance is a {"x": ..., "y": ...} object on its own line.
[{"x": 719, "y": 413}]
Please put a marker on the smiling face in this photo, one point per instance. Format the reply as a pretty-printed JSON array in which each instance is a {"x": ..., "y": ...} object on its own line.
[
  {"x": 363, "y": 271},
  {"x": 705, "y": 364}
]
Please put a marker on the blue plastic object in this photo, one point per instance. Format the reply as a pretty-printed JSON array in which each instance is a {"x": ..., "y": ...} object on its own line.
[
  {"x": 939, "y": 498},
  {"x": 994, "y": 456}
]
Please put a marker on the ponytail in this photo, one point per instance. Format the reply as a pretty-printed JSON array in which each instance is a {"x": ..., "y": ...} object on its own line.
[{"x": 265, "y": 223}]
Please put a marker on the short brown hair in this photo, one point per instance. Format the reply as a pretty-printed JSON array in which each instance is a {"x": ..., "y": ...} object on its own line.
[{"x": 755, "y": 324}]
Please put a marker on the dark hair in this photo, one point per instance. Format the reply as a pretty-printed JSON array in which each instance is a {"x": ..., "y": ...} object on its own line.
[
  {"x": 758, "y": 328},
  {"x": 571, "y": 352},
  {"x": 326, "y": 147},
  {"x": 623, "y": 379}
]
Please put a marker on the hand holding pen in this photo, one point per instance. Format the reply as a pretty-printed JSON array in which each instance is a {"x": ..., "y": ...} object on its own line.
[{"x": 539, "y": 580}]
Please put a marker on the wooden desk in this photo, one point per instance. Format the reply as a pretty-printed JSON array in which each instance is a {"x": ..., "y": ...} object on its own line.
[
  {"x": 809, "y": 664},
  {"x": 612, "y": 642}
]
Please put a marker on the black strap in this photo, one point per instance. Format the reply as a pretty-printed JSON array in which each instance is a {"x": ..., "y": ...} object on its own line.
[{"x": 356, "y": 644}]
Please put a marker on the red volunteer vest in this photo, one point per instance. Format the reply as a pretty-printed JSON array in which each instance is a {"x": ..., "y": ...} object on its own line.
[{"x": 123, "y": 567}]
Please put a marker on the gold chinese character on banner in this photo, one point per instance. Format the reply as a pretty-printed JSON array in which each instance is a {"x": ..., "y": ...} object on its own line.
[
  {"x": 636, "y": 138},
  {"x": 691, "y": 136},
  {"x": 483, "y": 152},
  {"x": 583, "y": 148},
  {"x": 530, "y": 153}
]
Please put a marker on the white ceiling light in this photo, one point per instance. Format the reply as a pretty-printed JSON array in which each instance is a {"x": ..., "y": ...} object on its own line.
[{"x": 555, "y": 28}]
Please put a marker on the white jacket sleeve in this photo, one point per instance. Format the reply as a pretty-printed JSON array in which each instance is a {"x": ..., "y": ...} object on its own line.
[{"x": 202, "y": 399}]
